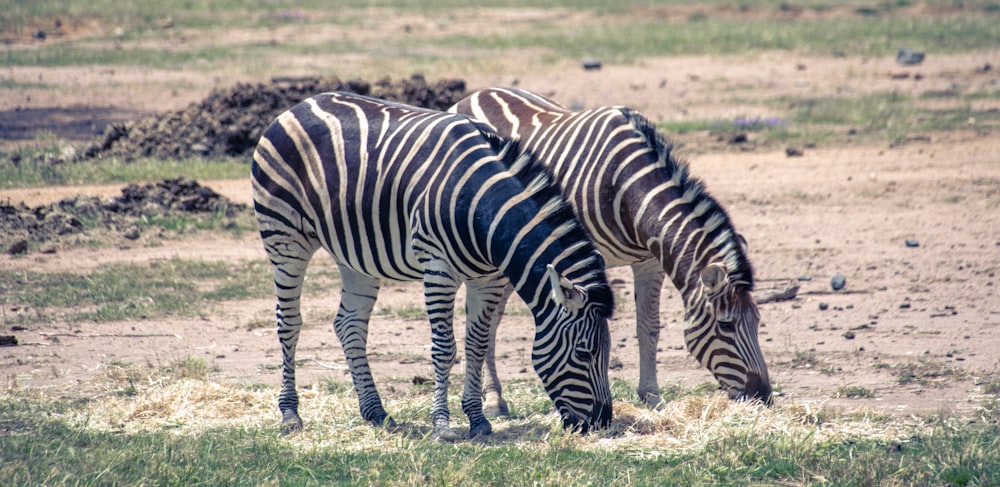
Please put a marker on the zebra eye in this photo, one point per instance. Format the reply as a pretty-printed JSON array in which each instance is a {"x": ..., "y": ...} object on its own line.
[{"x": 727, "y": 325}]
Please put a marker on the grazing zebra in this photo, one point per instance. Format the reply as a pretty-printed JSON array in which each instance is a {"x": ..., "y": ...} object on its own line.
[
  {"x": 642, "y": 209},
  {"x": 402, "y": 193}
]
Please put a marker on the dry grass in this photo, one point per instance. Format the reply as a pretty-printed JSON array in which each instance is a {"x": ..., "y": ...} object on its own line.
[{"x": 689, "y": 423}]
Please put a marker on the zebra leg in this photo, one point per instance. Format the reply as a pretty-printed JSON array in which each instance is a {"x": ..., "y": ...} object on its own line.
[
  {"x": 648, "y": 276},
  {"x": 483, "y": 296},
  {"x": 440, "y": 287},
  {"x": 351, "y": 325},
  {"x": 290, "y": 258},
  {"x": 493, "y": 401}
]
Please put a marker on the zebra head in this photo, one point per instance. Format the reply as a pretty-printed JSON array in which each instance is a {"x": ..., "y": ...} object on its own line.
[
  {"x": 721, "y": 332},
  {"x": 572, "y": 360}
]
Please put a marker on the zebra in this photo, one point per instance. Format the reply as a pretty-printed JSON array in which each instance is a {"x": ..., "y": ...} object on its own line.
[
  {"x": 643, "y": 209},
  {"x": 399, "y": 193}
]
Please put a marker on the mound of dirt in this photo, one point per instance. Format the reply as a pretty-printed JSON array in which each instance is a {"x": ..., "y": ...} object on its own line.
[
  {"x": 230, "y": 121},
  {"x": 127, "y": 215}
]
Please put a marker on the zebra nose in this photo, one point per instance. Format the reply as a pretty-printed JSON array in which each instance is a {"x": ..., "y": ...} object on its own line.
[{"x": 758, "y": 388}]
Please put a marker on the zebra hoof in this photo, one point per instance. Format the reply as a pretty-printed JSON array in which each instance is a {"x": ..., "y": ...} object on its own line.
[
  {"x": 291, "y": 423},
  {"x": 480, "y": 429},
  {"x": 495, "y": 407},
  {"x": 385, "y": 421},
  {"x": 445, "y": 434},
  {"x": 652, "y": 400}
]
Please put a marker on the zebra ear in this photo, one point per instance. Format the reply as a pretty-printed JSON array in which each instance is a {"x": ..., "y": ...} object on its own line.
[
  {"x": 564, "y": 292},
  {"x": 714, "y": 277}
]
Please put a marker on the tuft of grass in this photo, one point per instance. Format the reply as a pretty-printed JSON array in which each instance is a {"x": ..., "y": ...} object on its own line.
[
  {"x": 804, "y": 359},
  {"x": 926, "y": 372},
  {"x": 191, "y": 368},
  {"x": 854, "y": 392},
  {"x": 404, "y": 312}
]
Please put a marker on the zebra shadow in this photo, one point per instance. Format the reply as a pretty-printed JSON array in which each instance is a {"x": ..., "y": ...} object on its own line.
[{"x": 504, "y": 431}]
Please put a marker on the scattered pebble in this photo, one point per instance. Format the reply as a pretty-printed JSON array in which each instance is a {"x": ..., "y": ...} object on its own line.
[
  {"x": 824, "y": 306},
  {"x": 738, "y": 138},
  {"x": 805, "y": 278},
  {"x": 591, "y": 64},
  {"x": 912, "y": 243},
  {"x": 849, "y": 335},
  {"x": 838, "y": 282},
  {"x": 793, "y": 152},
  {"x": 904, "y": 306},
  {"x": 907, "y": 57}
]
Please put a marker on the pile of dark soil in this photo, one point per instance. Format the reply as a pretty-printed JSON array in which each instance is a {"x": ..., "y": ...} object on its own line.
[
  {"x": 229, "y": 122},
  {"x": 127, "y": 216}
]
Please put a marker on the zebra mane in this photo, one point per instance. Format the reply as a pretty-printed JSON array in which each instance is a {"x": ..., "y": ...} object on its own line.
[
  {"x": 545, "y": 192},
  {"x": 715, "y": 220}
]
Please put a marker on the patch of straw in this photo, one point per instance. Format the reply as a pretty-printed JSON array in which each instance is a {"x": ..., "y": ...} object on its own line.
[{"x": 333, "y": 420}]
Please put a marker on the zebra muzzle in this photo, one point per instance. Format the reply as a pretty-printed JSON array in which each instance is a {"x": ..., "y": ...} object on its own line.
[{"x": 758, "y": 389}]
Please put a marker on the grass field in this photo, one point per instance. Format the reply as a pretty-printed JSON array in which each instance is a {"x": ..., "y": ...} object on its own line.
[{"x": 176, "y": 426}]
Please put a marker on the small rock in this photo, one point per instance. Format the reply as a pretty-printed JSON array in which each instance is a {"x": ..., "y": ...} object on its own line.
[
  {"x": 824, "y": 306},
  {"x": 18, "y": 248},
  {"x": 849, "y": 335},
  {"x": 805, "y": 278},
  {"x": 793, "y": 152},
  {"x": 48, "y": 248},
  {"x": 838, "y": 282},
  {"x": 39, "y": 34},
  {"x": 912, "y": 243},
  {"x": 591, "y": 64},
  {"x": 8, "y": 341},
  {"x": 132, "y": 233},
  {"x": 907, "y": 57},
  {"x": 738, "y": 138},
  {"x": 904, "y": 306}
]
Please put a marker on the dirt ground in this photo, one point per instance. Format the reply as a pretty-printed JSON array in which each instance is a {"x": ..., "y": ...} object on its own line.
[{"x": 917, "y": 327}]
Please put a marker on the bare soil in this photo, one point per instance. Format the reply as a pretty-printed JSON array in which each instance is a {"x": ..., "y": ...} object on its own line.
[{"x": 915, "y": 330}]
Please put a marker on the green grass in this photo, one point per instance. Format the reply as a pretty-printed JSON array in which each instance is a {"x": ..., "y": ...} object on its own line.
[
  {"x": 129, "y": 291},
  {"x": 35, "y": 168},
  {"x": 631, "y": 38},
  {"x": 620, "y": 33},
  {"x": 888, "y": 116},
  {"x": 102, "y": 441},
  {"x": 854, "y": 392}
]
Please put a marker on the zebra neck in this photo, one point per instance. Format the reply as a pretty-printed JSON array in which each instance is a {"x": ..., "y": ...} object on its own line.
[{"x": 685, "y": 252}]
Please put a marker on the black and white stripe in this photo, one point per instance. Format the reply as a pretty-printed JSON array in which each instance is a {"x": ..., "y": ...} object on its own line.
[
  {"x": 402, "y": 193},
  {"x": 643, "y": 209}
]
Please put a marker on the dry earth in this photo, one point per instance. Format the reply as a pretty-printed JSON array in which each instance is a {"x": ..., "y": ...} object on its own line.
[{"x": 919, "y": 327}]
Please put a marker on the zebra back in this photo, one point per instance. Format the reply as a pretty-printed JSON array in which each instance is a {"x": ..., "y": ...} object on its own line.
[
  {"x": 639, "y": 203},
  {"x": 402, "y": 193}
]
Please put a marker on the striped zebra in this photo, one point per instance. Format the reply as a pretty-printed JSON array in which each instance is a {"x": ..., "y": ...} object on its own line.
[
  {"x": 643, "y": 209},
  {"x": 402, "y": 193}
]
